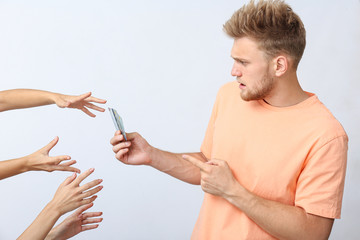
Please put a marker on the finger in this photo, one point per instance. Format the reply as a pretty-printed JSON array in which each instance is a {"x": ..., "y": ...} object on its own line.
[
  {"x": 82, "y": 209},
  {"x": 120, "y": 146},
  {"x": 59, "y": 159},
  {"x": 96, "y": 100},
  {"x": 72, "y": 162},
  {"x": 88, "y": 200},
  {"x": 91, "y": 192},
  {"x": 92, "y": 220},
  {"x": 84, "y": 175},
  {"x": 91, "y": 184},
  {"x": 81, "y": 97},
  {"x": 63, "y": 168},
  {"x": 117, "y": 138},
  {"x": 196, "y": 162},
  {"x": 120, "y": 154},
  {"x": 97, "y": 108},
  {"x": 70, "y": 179},
  {"x": 216, "y": 162},
  {"x": 50, "y": 145},
  {"x": 85, "y": 110},
  {"x": 91, "y": 214},
  {"x": 89, "y": 227}
]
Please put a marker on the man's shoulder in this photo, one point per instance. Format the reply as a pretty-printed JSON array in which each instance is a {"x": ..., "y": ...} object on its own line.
[{"x": 324, "y": 121}]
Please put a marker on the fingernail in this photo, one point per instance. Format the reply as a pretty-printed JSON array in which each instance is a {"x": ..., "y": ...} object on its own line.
[{"x": 92, "y": 169}]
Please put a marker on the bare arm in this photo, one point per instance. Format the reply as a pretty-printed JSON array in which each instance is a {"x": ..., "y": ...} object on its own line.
[
  {"x": 76, "y": 223},
  {"x": 27, "y": 98},
  {"x": 137, "y": 151},
  {"x": 280, "y": 220},
  {"x": 37, "y": 161},
  {"x": 68, "y": 197}
]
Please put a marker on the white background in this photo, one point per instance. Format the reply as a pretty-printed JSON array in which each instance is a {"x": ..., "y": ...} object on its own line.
[{"x": 160, "y": 64}]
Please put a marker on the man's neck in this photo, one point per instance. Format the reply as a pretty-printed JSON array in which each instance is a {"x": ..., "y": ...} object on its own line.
[{"x": 287, "y": 92}]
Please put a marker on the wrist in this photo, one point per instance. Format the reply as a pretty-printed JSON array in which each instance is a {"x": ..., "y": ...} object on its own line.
[
  {"x": 26, "y": 164},
  {"x": 52, "y": 209},
  {"x": 152, "y": 152},
  {"x": 54, "y": 97},
  {"x": 239, "y": 196}
]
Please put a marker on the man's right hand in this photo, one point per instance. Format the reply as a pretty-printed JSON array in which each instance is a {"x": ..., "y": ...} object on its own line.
[{"x": 135, "y": 151}]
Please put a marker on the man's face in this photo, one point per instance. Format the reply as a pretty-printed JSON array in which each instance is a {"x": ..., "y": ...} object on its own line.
[{"x": 251, "y": 70}]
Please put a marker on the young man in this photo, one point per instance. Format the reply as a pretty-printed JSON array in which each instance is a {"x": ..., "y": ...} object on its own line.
[{"x": 273, "y": 160}]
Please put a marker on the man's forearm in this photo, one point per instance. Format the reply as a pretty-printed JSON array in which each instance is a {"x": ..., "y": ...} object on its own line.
[
  {"x": 174, "y": 165},
  {"x": 280, "y": 220},
  {"x": 25, "y": 98}
]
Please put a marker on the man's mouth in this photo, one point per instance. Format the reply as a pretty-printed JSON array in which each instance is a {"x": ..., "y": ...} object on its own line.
[{"x": 242, "y": 86}]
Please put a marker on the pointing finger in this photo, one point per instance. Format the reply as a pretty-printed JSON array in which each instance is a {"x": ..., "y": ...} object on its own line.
[{"x": 198, "y": 163}]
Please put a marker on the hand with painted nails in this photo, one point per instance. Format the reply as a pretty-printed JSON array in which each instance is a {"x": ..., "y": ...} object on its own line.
[
  {"x": 76, "y": 223},
  {"x": 82, "y": 102}
]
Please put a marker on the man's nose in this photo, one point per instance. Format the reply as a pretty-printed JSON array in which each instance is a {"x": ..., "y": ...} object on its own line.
[{"x": 235, "y": 72}]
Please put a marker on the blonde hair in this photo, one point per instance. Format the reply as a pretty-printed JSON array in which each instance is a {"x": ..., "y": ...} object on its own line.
[{"x": 273, "y": 24}]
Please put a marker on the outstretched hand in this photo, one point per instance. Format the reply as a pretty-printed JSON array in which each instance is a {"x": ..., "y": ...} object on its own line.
[
  {"x": 70, "y": 195},
  {"x": 41, "y": 161},
  {"x": 81, "y": 102},
  {"x": 76, "y": 223}
]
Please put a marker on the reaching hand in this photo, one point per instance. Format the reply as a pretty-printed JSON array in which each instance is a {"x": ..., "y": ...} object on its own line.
[
  {"x": 70, "y": 195},
  {"x": 136, "y": 151},
  {"x": 81, "y": 102},
  {"x": 41, "y": 161},
  {"x": 75, "y": 223}
]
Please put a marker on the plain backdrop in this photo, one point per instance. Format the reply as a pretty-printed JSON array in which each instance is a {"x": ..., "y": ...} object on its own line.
[{"x": 160, "y": 64}]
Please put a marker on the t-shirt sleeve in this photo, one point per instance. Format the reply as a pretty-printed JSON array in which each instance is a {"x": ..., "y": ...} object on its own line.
[
  {"x": 320, "y": 185},
  {"x": 206, "y": 145}
]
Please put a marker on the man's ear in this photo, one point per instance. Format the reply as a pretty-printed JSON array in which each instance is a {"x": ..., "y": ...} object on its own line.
[{"x": 281, "y": 65}]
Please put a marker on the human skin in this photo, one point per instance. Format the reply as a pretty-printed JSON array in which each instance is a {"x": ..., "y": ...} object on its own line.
[
  {"x": 69, "y": 196},
  {"x": 253, "y": 72},
  {"x": 38, "y": 161},
  {"x": 76, "y": 223},
  {"x": 26, "y": 98}
]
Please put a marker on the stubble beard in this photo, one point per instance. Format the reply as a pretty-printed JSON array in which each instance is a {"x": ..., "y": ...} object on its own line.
[{"x": 261, "y": 90}]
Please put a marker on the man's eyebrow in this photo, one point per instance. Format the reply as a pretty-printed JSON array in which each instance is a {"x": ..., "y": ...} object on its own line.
[{"x": 238, "y": 59}]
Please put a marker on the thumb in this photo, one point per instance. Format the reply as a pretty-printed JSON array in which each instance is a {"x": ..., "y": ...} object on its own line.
[{"x": 50, "y": 145}]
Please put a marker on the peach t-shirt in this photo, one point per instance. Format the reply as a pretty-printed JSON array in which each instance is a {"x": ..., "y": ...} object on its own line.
[{"x": 294, "y": 155}]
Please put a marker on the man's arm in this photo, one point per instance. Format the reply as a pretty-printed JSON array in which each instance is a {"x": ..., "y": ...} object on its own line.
[
  {"x": 37, "y": 161},
  {"x": 137, "y": 151},
  {"x": 280, "y": 220},
  {"x": 68, "y": 197},
  {"x": 26, "y": 98}
]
